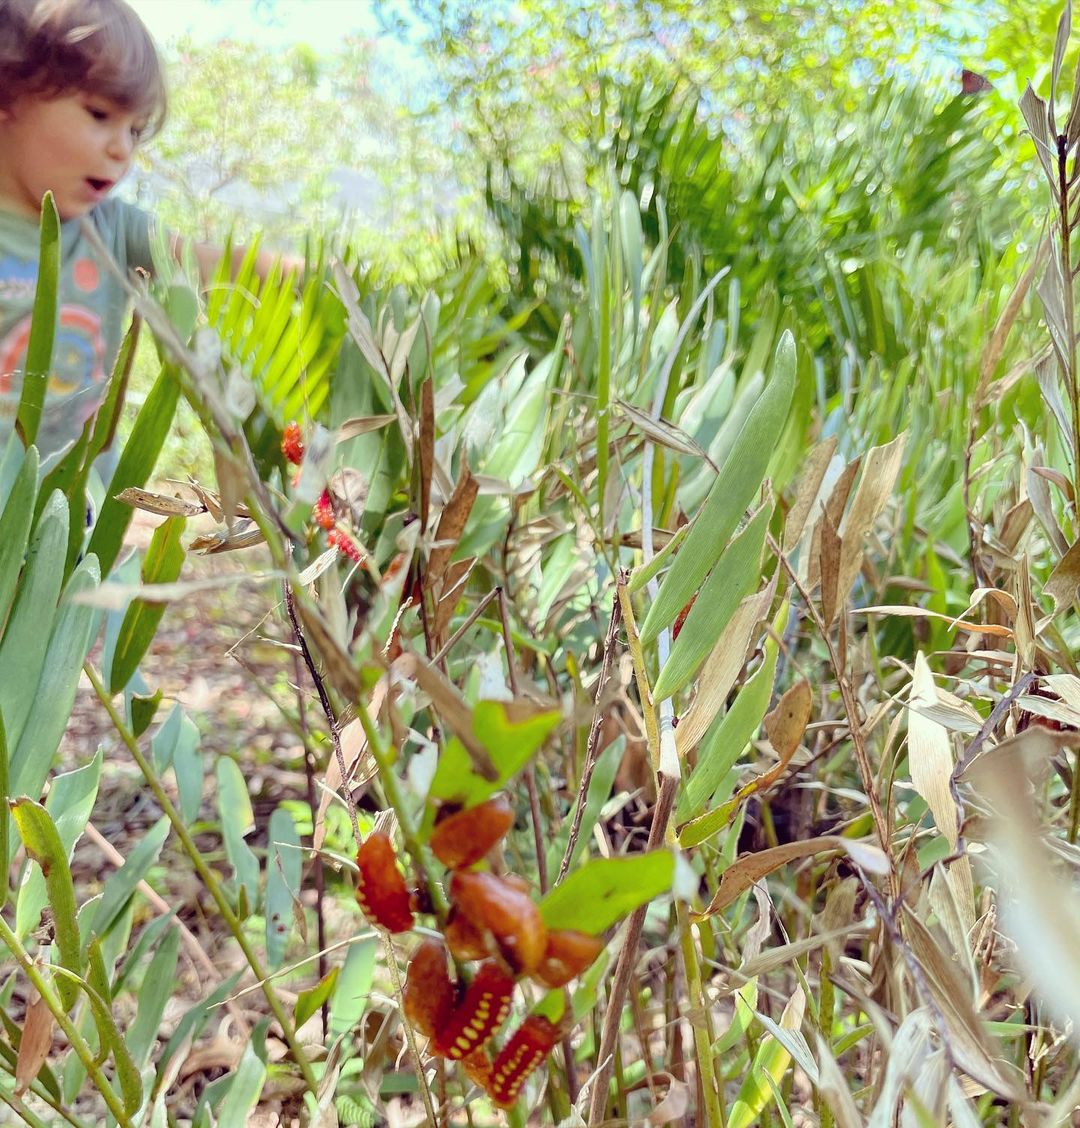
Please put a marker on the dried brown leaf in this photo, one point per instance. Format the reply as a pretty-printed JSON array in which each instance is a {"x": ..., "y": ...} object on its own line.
[
  {"x": 721, "y": 668},
  {"x": 452, "y": 524},
  {"x": 361, "y": 425},
  {"x": 930, "y": 756},
  {"x": 830, "y": 557},
  {"x": 814, "y": 468},
  {"x": 34, "y": 1045},
  {"x": 1007, "y": 318},
  {"x": 786, "y": 723},
  {"x": 165, "y": 504},
  {"x": 907, "y": 612},
  {"x": 966, "y": 1037},
  {"x": 880, "y": 469},
  {"x": 1064, "y": 581},
  {"x": 838, "y": 499},
  {"x": 452, "y": 709},
  {"x": 744, "y": 871},
  {"x": 240, "y": 536},
  {"x": 660, "y": 431}
]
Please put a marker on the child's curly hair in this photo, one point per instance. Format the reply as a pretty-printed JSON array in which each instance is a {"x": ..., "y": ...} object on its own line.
[{"x": 49, "y": 48}]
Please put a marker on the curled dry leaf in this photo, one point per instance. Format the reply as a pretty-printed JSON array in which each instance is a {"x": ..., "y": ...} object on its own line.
[
  {"x": 785, "y": 725},
  {"x": 744, "y": 871},
  {"x": 34, "y": 1045},
  {"x": 165, "y": 504},
  {"x": 1064, "y": 581},
  {"x": 452, "y": 523}
]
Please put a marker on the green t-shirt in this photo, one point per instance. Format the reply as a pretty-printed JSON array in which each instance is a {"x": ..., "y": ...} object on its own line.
[{"x": 90, "y": 322}]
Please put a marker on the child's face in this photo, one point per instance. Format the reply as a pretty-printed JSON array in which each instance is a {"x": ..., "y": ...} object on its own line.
[{"x": 77, "y": 146}]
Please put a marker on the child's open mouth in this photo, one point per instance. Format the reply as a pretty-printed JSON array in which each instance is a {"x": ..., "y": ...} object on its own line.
[{"x": 99, "y": 185}]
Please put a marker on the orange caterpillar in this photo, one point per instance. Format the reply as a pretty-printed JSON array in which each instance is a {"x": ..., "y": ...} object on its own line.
[
  {"x": 479, "y": 1014},
  {"x": 463, "y": 838},
  {"x": 533, "y": 1040},
  {"x": 380, "y": 888},
  {"x": 428, "y": 996},
  {"x": 508, "y": 913}
]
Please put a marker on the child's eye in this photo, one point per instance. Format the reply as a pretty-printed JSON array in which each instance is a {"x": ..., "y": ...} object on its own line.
[{"x": 97, "y": 113}]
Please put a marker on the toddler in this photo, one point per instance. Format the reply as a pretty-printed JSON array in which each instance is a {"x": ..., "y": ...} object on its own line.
[{"x": 81, "y": 86}]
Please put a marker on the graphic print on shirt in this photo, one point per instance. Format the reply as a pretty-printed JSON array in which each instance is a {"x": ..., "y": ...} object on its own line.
[{"x": 79, "y": 347}]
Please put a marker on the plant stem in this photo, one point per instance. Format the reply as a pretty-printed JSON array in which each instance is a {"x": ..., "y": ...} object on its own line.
[
  {"x": 392, "y": 790},
  {"x": 594, "y": 740},
  {"x": 1070, "y": 313},
  {"x": 207, "y": 876},
  {"x": 703, "y": 1036},
  {"x": 78, "y": 1043},
  {"x": 20, "y": 1109},
  {"x": 665, "y": 804}
]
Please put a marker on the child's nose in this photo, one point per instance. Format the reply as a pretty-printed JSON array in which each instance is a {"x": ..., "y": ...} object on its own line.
[{"x": 121, "y": 144}]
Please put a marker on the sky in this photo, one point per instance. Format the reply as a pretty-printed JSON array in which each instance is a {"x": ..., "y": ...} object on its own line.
[{"x": 319, "y": 23}]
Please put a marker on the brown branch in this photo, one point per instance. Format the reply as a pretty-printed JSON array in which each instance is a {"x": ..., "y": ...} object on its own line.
[
  {"x": 328, "y": 710},
  {"x": 594, "y": 740}
]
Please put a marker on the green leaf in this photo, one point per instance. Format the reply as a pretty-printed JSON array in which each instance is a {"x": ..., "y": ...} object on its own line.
[
  {"x": 26, "y": 636},
  {"x": 735, "y": 488},
  {"x": 42, "y": 842},
  {"x": 161, "y": 565},
  {"x": 108, "y": 414},
  {"x": 143, "y": 708},
  {"x": 510, "y": 745},
  {"x": 109, "y": 1035},
  {"x": 189, "y": 769},
  {"x": 283, "y": 876},
  {"x": 73, "y": 634},
  {"x": 193, "y": 1021},
  {"x": 69, "y": 803},
  {"x": 353, "y": 988},
  {"x": 734, "y": 575},
  {"x": 157, "y": 988},
  {"x": 120, "y": 887},
  {"x": 15, "y": 523},
  {"x": 309, "y": 1001},
  {"x": 39, "y": 350},
  {"x": 630, "y": 221},
  {"x": 148, "y": 940},
  {"x": 237, "y": 819},
  {"x": 604, "y": 890},
  {"x": 245, "y": 1090},
  {"x": 136, "y": 463},
  {"x": 640, "y": 577},
  {"x": 727, "y": 742},
  {"x": 5, "y": 828}
]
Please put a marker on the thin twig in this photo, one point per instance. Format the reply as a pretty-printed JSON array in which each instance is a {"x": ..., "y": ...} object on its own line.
[
  {"x": 530, "y": 769},
  {"x": 328, "y": 710},
  {"x": 594, "y": 740},
  {"x": 624, "y": 968},
  {"x": 475, "y": 614},
  {"x": 316, "y": 856},
  {"x": 858, "y": 742}
]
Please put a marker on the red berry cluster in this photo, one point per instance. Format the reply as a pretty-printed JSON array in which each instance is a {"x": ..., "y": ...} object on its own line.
[
  {"x": 493, "y": 919},
  {"x": 292, "y": 447}
]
